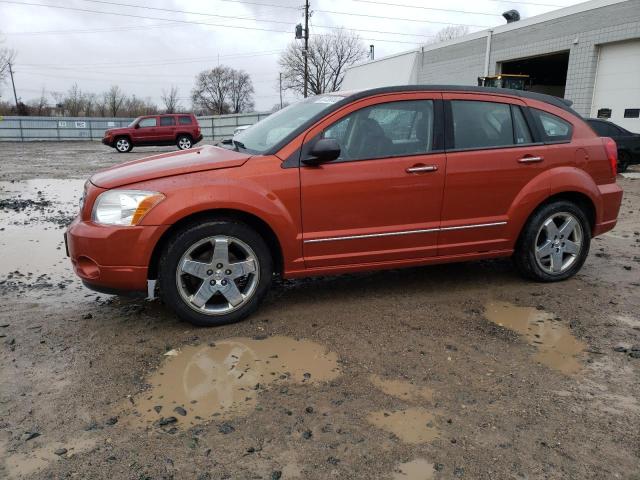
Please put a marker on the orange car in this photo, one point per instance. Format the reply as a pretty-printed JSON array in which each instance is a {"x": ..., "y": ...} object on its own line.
[{"x": 351, "y": 181}]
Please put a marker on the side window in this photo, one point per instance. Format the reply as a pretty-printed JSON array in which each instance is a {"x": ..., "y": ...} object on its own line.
[
  {"x": 554, "y": 128},
  {"x": 167, "y": 121},
  {"x": 522, "y": 134},
  {"x": 600, "y": 128},
  {"x": 386, "y": 130},
  {"x": 185, "y": 120},
  {"x": 481, "y": 124},
  {"x": 148, "y": 122}
]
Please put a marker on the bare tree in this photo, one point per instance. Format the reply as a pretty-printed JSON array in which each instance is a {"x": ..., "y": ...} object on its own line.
[
  {"x": 329, "y": 56},
  {"x": 450, "y": 32},
  {"x": 40, "y": 106},
  {"x": 74, "y": 101},
  {"x": 171, "y": 100},
  {"x": 6, "y": 57},
  {"x": 240, "y": 92},
  {"x": 114, "y": 98},
  {"x": 211, "y": 93}
]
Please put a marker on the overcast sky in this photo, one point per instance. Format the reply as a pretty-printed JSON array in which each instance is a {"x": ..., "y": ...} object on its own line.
[{"x": 57, "y": 47}]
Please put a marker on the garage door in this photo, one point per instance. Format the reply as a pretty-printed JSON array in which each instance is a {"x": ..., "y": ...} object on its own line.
[{"x": 618, "y": 84}]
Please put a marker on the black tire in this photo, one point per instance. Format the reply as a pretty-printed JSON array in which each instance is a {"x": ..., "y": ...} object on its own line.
[
  {"x": 122, "y": 145},
  {"x": 182, "y": 241},
  {"x": 184, "y": 142},
  {"x": 623, "y": 162},
  {"x": 524, "y": 257}
]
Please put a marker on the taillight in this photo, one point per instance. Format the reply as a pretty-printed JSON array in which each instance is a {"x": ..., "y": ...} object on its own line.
[{"x": 612, "y": 154}]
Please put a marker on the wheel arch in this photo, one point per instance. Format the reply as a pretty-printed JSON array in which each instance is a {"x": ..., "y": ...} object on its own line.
[
  {"x": 255, "y": 222},
  {"x": 183, "y": 134}
]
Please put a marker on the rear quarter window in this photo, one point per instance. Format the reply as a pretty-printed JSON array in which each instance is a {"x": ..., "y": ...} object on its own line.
[
  {"x": 552, "y": 128},
  {"x": 185, "y": 121}
]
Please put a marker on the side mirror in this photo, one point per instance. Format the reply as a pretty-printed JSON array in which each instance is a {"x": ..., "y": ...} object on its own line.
[
  {"x": 324, "y": 150},
  {"x": 137, "y": 125}
]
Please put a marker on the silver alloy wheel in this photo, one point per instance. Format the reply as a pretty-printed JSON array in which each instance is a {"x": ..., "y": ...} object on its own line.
[
  {"x": 558, "y": 243},
  {"x": 122, "y": 145},
  {"x": 217, "y": 275},
  {"x": 184, "y": 143}
]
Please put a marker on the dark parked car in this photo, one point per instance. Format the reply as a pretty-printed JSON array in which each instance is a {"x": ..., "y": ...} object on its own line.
[
  {"x": 628, "y": 143},
  {"x": 169, "y": 129}
]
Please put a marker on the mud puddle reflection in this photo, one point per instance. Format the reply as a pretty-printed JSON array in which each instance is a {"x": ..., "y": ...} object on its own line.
[
  {"x": 401, "y": 389},
  {"x": 200, "y": 383},
  {"x": 414, "y": 425},
  {"x": 556, "y": 345},
  {"x": 418, "y": 469}
]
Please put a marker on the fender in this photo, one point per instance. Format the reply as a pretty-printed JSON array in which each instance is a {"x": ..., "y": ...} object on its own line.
[
  {"x": 565, "y": 179},
  {"x": 200, "y": 192}
]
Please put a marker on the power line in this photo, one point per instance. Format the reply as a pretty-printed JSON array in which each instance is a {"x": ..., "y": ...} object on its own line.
[
  {"x": 427, "y": 8},
  {"x": 362, "y": 14},
  {"x": 205, "y": 14},
  {"x": 120, "y": 14}
]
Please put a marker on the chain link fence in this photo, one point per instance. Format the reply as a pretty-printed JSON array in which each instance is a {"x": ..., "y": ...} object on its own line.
[{"x": 56, "y": 129}]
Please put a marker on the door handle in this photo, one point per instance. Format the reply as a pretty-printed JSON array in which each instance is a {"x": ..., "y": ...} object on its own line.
[
  {"x": 528, "y": 159},
  {"x": 422, "y": 168}
]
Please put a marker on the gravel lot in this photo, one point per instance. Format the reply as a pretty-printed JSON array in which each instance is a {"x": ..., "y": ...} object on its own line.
[{"x": 454, "y": 371}]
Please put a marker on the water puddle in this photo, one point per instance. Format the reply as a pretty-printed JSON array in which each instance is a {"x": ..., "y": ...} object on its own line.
[
  {"x": 200, "y": 383},
  {"x": 20, "y": 465},
  {"x": 414, "y": 425},
  {"x": 401, "y": 389},
  {"x": 33, "y": 215},
  {"x": 556, "y": 345},
  {"x": 418, "y": 469}
]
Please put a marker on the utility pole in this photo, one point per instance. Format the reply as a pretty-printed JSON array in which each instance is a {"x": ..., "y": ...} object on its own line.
[
  {"x": 306, "y": 47},
  {"x": 15, "y": 96},
  {"x": 280, "y": 90}
]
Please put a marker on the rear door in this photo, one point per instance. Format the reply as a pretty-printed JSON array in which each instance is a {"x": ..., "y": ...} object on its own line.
[
  {"x": 380, "y": 201},
  {"x": 167, "y": 128},
  {"x": 491, "y": 156}
]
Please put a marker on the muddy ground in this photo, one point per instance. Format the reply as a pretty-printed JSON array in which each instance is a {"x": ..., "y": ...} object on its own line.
[{"x": 455, "y": 371}]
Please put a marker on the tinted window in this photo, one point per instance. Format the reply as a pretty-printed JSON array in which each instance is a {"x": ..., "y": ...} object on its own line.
[
  {"x": 600, "y": 128},
  {"x": 148, "y": 122},
  {"x": 167, "y": 121},
  {"x": 553, "y": 128},
  {"x": 481, "y": 124},
  {"x": 522, "y": 134},
  {"x": 184, "y": 120},
  {"x": 386, "y": 130}
]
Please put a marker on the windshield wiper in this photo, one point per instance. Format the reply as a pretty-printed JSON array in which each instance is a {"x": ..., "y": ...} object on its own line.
[{"x": 238, "y": 145}]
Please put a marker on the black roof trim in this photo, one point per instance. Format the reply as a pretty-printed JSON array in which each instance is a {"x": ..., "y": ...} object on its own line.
[{"x": 360, "y": 94}]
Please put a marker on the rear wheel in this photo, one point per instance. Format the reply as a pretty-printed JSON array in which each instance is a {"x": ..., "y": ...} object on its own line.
[
  {"x": 555, "y": 242},
  {"x": 215, "y": 273},
  {"x": 123, "y": 145},
  {"x": 184, "y": 142}
]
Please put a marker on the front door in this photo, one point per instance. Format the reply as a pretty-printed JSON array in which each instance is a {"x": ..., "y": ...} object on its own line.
[
  {"x": 147, "y": 131},
  {"x": 380, "y": 200}
]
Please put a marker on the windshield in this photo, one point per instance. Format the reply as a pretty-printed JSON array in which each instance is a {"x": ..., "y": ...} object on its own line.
[
  {"x": 273, "y": 129},
  {"x": 135, "y": 120}
]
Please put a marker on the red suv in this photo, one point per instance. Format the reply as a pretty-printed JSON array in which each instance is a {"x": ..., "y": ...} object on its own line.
[
  {"x": 345, "y": 182},
  {"x": 170, "y": 129}
]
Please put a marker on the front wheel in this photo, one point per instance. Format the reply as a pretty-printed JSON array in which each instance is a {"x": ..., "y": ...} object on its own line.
[
  {"x": 215, "y": 273},
  {"x": 123, "y": 145},
  {"x": 184, "y": 142},
  {"x": 554, "y": 243},
  {"x": 623, "y": 162}
]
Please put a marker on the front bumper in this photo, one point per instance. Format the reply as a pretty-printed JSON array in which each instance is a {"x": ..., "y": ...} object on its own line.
[
  {"x": 108, "y": 141},
  {"x": 112, "y": 258}
]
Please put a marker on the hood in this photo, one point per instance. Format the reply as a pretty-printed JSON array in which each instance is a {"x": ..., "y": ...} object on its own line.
[
  {"x": 169, "y": 164},
  {"x": 113, "y": 131}
]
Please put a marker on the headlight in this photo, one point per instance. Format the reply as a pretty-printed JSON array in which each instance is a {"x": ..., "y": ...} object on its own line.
[{"x": 124, "y": 207}]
